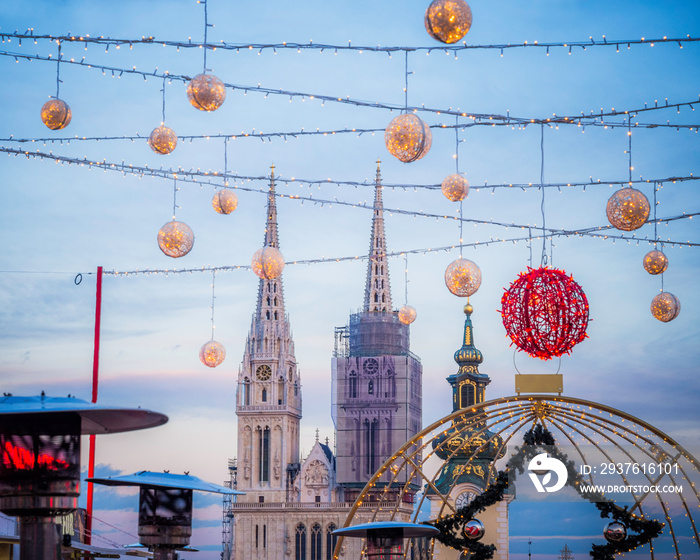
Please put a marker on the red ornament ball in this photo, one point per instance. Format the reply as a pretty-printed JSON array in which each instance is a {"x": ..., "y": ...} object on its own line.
[{"x": 545, "y": 312}]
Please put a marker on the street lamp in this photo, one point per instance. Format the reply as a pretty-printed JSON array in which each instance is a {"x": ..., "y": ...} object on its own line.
[
  {"x": 40, "y": 466},
  {"x": 165, "y": 507},
  {"x": 384, "y": 539}
]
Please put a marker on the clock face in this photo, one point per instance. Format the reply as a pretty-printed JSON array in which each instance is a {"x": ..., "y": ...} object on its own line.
[
  {"x": 463, "y": 499},
  {"x": 371, "y": 366},
  {"x": 263, "y": 373}
]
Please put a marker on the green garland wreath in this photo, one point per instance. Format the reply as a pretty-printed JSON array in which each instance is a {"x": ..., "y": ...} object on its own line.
[{"x": 449, "y": 526}]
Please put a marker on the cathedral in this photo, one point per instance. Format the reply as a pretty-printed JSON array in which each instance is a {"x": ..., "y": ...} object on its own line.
[{"x": 293, "y": 504}]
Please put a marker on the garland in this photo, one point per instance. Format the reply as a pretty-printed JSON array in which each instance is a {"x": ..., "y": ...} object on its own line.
[{"x": 450, "y": 526}]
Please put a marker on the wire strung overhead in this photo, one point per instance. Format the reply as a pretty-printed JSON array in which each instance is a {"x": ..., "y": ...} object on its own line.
[{"x": 260, "y": 47}]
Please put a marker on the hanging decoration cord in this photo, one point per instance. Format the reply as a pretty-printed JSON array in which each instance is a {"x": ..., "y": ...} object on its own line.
[
  {"x": 461, "y": 202},
  {"x": 405, "y": 256},
  {"x": 405, "y": 89},
  {"x": 225, "y": 162},
  {"x": 213, "y": 297},
  {"x": 629, "y": 147},
  {"x": 58, "y": 70},
  {"x": 206, "y": 29},
  {"x": 163, "y": 91},
  {"x": 175, "y": 189},
  {"x": 543, "y": 261}
]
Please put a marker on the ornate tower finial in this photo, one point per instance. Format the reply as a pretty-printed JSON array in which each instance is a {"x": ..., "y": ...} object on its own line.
[
  {"x": 270, "y": 294},
  {"x": 377, "y": 287}
]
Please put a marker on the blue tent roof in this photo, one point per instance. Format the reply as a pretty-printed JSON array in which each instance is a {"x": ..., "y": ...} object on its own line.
[
  {"x": 95, "y": 418},
  {"x": 164, "y": 480},
  {"x": 408, "y": 530}
]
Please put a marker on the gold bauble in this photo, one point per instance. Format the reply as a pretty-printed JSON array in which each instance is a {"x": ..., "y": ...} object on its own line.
[
  {"x": 463, "y": 277},
  {"x": 407, "y": 314},
  {"x": 665, "y": 307},
  {"x": 268, "y": 262},
  {"x": 655, "y": 262},
  {"x": 175, "y": 239},
  {"x": 628, "y": 209},
  {"x": 206, "y": 92},
  {"x": 224, "y": 201},
  {"x": 408, "y": 138},
  {"x": 212, "y": 353},
  {"x": 56, "y": 114},
  {"x": 448, "y": 20},
  {"x": 455, "y": 187},
  {"x": 162, "y": 140}
]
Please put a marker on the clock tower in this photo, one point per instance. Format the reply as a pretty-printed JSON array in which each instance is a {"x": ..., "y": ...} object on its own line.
[{"x": 268, "y": 403}]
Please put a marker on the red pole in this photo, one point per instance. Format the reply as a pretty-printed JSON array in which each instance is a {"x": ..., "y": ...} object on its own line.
[{"x": 95, "y": 380}]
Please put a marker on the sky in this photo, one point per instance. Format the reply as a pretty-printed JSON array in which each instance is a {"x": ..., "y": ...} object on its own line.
[{"x": 60, "y": 221}]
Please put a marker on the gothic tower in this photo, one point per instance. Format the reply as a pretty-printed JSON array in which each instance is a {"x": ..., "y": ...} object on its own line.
[
  {"x": 376, "y": 379},
  {"x": 269, "y": 390}
]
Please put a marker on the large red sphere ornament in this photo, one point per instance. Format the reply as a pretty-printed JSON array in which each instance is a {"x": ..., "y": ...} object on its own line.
[{"x": 545, "y": 312}]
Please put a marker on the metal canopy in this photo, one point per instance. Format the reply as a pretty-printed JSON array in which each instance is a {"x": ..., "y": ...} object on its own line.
[
  {"x": 164, "y": 480},
  {"x": 95, "y": 419},
  {"x": 408, "y": 530}
]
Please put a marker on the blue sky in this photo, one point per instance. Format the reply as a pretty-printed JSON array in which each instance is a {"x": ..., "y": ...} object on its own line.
[{"x": 58, "y": 220}]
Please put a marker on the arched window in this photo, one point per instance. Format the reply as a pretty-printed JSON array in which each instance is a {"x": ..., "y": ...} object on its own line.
[
  {"x": 264, "y": 395},
  {"x": 268, "y": 300},
  {"x": 300, "y": 543},
  {"x": 370, "y": 387},
  {"x": 264, "y": 456},
  {"x": 331, "y": 539},
  {"x": 275, "y": 315},
  {"x": 352, "y": 385},
  {"x": 246, "y": 392},
  {"x": 316, "y": 542},
  {"x": 466, "y": 395},
  {"x": 371, "y": 445}
]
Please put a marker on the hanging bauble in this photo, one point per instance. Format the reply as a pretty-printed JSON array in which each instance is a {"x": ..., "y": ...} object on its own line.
[
  {"x": 473, "y": 530},
  {"x": 665, "y": 307},
  {"x": 206, "y": 92},
  {"x": 268, "y": 262},
  {"x": 407, "y": 314},
  {"x": 224, "y": 201},
  {"x": 615, "y": 532},
  {"x": 455, "y": 187},
  {"x": 545, "y": 312},
  {"x": 655, "y": 262},
  {"x": 162, "y": 140},
  {"x": 175, "y": 239},
  {"x": 408, "y": 138},
  {"x": 56, "y": 114},
  {"x": 448, "y": 20},
  {"x": 628, "y": 209},
  {"x": 463, "y": 277},
  {"x": 212, "y": 353}
]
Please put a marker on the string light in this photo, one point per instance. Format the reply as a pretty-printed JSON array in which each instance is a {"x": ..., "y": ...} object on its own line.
[{"x": 212, "y": 353}]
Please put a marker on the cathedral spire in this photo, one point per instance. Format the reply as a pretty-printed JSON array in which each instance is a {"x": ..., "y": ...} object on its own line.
[
  {"x": 270, "y": 294},
  {"x": 377, "y": 288}
]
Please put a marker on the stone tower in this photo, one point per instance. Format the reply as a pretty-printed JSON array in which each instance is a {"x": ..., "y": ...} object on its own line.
[{"x": 376, "y": 379}]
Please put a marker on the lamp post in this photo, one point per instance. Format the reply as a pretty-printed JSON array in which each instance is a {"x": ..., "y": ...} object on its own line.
[
  {"x": 165, "y": 507},
  {"x": 384, "y": 539},
  {"x": 40, "y": 466}
]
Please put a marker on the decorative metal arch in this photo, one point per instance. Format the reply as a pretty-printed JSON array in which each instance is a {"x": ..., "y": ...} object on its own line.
[{"x": 595, "y": 431}]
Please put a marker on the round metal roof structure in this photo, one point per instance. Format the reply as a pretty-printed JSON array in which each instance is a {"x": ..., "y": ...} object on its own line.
[
  {"x": 164, "y": 480},
  {"x": 95, "y": 418},
  {"x": 408, "y": 530}
]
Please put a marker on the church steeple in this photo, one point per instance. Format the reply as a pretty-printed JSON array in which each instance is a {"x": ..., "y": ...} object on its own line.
[
  {"x": 377, "y": 288},
  {"x": 270, "y": 292},
  {"x": 468, "y": 385}
]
